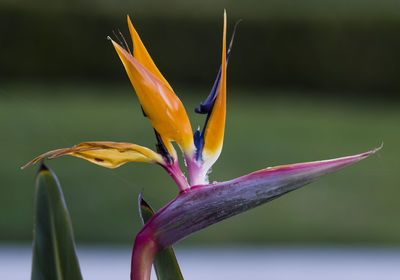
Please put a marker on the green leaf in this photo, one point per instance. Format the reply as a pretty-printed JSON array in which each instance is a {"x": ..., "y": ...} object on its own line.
[
  {"x": 54, "y": 255},
  {"x": 165, "y": 263}
]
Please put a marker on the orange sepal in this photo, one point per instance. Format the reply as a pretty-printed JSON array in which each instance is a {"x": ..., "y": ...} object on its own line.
[
  {"x": 214, "y": 132},
  {"x": 160, "y": 104},
  {"x": 141, "y": 54}
]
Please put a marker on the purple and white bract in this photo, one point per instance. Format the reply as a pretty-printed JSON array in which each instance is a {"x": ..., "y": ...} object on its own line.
[{"x": 204, "y": 205}]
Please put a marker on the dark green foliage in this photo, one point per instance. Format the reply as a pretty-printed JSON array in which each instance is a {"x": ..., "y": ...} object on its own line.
[
  {"x": 54, "y": 255},
  {"x": 309, "y": 45}
]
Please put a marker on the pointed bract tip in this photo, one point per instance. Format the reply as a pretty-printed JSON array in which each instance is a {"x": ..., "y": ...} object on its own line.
[
  {"x": 140, "y": 197},
  {"x": 377, "y": 149},
  {"x": 366, "y": 154},
  {"x": 141, "y": 201},
  {"x": 43, "y": 167},
  {"x": 142, "y": 204}
]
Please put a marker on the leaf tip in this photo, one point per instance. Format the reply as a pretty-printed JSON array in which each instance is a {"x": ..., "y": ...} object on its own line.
[
  {"x": 141, "y": 202},
  {"x": 145, "y": 210},
  {"x": 43, "y": 167}
]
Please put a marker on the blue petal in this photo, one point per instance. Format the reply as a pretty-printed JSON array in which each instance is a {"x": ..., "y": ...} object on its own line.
[
  {"x": 207, "y": 105},
  {"x": 199, "y": 144}
]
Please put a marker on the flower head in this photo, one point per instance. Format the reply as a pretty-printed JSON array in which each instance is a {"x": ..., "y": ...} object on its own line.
[
  {"x": 168, "y": 117},
  {"x": 199, "y": 204}
]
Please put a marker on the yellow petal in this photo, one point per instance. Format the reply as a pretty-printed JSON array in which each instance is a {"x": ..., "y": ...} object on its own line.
[
  {"x": 214, "y": 133},
  {"x": 141, "y": 54},
  {"x": 106, "y": 154},
  {"x": 160, "y": 104}
]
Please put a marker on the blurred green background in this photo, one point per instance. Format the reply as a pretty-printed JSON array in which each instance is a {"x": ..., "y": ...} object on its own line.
[{"x": 308, "y": 80}]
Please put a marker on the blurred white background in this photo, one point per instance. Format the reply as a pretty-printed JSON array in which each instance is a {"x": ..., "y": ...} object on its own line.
[{"x": 233, "y": 263}]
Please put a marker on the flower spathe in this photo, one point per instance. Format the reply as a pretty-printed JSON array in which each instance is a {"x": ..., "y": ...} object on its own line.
[{"x": 198, "y": 204}]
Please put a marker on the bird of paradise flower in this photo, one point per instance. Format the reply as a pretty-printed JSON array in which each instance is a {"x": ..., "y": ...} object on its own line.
[{"x": 198, "y": 204}]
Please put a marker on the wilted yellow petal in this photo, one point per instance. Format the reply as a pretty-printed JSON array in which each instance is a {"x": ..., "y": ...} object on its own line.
[
  {"x": 160, "y": 104},
  {"x": 141, "y": 54},
  {"x": 214, "y": 132},
  {"x": 107, "y": 154}
]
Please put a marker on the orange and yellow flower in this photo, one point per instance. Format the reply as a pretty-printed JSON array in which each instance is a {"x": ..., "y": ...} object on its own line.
[{"x": 168, "y": 117}]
